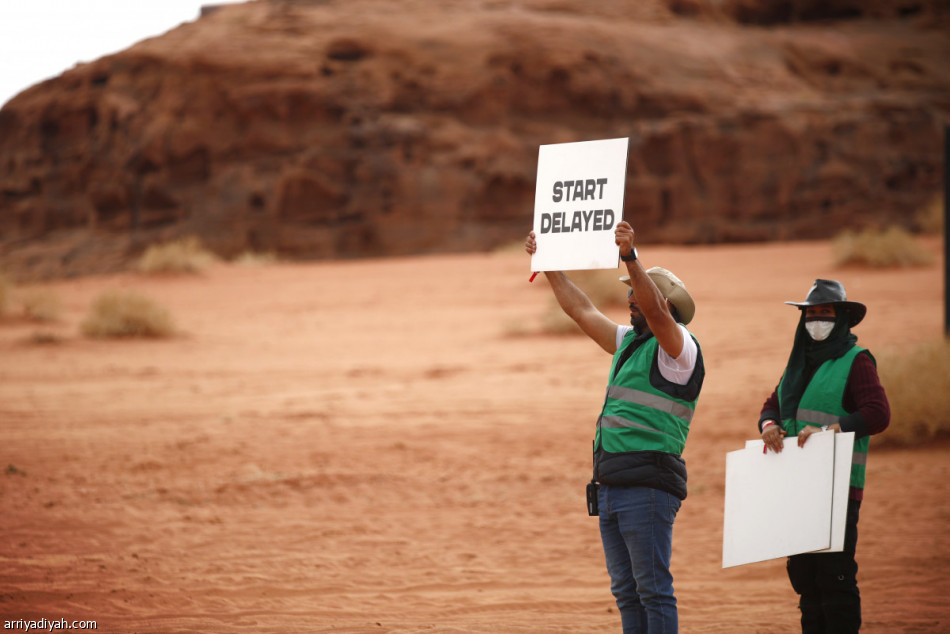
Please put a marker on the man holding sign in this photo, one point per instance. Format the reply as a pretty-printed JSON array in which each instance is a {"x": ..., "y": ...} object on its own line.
[{"x": 639, "y": 474}]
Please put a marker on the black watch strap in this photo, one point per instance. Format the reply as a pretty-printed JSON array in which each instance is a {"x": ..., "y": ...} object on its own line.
[{"x": 630, "y": 257}]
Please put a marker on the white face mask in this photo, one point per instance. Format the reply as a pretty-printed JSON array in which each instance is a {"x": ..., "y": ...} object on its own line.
[{"x": 819, "y": 330}]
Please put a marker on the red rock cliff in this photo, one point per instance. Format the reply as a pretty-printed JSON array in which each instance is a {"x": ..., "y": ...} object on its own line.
[{"x": 325, "y": 129}]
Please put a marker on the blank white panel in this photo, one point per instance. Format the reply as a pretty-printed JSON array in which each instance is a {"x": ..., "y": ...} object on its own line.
[
  {"x": 844, "y": 451},
  {"x": 778, "y": 504}
]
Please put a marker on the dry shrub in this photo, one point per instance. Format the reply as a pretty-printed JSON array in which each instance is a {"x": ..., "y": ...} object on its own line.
[
  {"x": 892, "y": 247},
  {"x": 186, "y": 255},
  {"x": 916, "y": 382},
  {"x": 512, "y": 246},
  {"x": 127, "y": 314},
  {"x": 930, "y": 219},
  {"x": 601, "y": 286},
  {"x": 556, "y": 322},
  {"x": 45, "y": 338},
  {"x": 5, "y": 290},
  {"x": 254, "y": 258},
  {"x": 42, "y": 306}
]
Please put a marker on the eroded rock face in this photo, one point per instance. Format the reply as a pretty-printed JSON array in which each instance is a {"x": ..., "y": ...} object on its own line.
[{"x": 327, "y": 129}]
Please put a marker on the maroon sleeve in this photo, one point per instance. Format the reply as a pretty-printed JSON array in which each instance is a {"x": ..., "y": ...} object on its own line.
[
  {"x": 865, "y": 399},
  {"x": 770, "y": 410}
]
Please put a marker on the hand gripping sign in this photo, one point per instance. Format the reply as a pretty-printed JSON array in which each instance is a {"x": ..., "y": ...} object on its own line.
[{"x": 578, "y": 202}]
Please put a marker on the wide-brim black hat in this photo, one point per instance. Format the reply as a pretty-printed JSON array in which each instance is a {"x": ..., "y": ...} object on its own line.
[{"x": 832, "y": 292}]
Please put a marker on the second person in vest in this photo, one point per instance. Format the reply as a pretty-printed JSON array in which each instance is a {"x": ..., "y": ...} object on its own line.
[
  {"x": 652, "y": 389},
  {"x": 829, "y": 383}
]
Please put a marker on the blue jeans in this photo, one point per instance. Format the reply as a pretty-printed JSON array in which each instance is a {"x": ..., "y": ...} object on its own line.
[{"x": 636, "y": 526}]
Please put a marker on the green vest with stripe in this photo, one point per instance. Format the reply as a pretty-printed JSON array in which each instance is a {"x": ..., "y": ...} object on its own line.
[
  {"x": 636, "y": 415},
  {"x": 821, "y": 404}
]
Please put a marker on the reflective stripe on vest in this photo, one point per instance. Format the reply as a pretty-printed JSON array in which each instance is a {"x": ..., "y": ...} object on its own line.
[
  {"x": 858, "y": 457},
  {"x": 617, "y": 422},
  {"x": 655, "y": 401},
  {"x": 816, "y": 418},
  {"x": 637, "y": 416}
]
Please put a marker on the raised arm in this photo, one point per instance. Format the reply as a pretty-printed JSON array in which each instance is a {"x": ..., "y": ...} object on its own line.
[
  {"x": 575, "y": 303},
  {"x": 649, "y": 301}
]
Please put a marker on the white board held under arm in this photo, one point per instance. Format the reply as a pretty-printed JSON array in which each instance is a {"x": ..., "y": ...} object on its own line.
[
  {"x": 789, "y": 503},
  {"x": 578, "y": 202}
]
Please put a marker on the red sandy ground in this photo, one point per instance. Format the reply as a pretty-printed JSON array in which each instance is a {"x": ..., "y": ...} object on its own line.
[{"x": 392, "y": 446}]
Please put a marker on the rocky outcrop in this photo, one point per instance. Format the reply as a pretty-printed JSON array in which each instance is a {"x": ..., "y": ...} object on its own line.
[{"x": 329, "y": 129}]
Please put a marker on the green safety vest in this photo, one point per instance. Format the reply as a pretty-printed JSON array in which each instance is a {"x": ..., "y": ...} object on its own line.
[
  {"x": 821, "y": 405},
  {"x": 637, "y": 416}
]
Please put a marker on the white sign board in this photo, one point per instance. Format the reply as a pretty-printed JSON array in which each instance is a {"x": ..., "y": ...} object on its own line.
[
  {"x": 844, "y": 452},
  {"x": 578, "y": 202},
  {"x": 788, "y": 503}
]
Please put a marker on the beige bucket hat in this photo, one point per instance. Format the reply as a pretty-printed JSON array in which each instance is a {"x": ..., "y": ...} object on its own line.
[{"x": 673, "y": 289}]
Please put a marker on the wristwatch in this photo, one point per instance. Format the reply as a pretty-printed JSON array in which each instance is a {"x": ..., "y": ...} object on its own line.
[{"x": 630, "y": 257}]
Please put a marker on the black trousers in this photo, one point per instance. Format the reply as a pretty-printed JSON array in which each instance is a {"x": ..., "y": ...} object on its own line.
[{"x": 827, "y": 584}]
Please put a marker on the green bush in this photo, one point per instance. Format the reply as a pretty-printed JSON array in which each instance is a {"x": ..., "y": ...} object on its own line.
[
  {"x": 127, "y": 314},
  {"x": 916, "y": 383},
  {"x": 888, "y": 248}
]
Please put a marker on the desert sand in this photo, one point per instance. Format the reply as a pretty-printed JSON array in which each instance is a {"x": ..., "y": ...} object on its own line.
[{"x": 393, "y": 445}]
